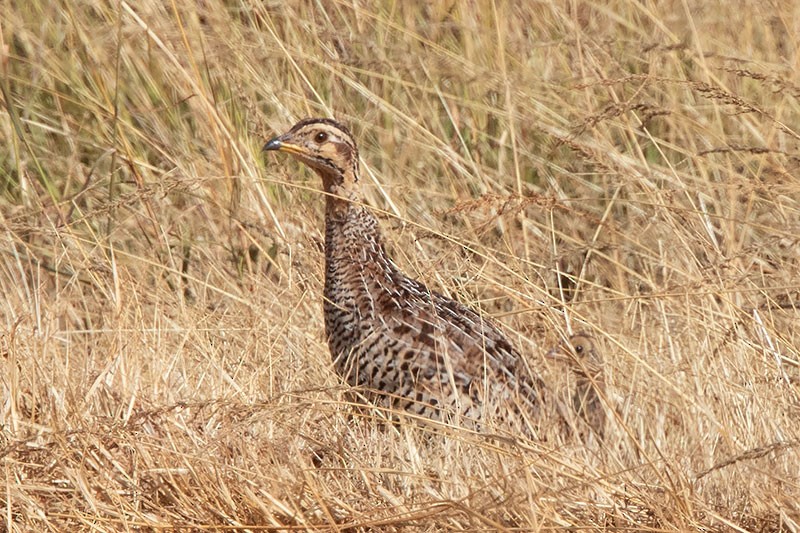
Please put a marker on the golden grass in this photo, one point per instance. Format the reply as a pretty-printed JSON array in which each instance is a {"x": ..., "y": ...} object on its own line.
[{"x": 627, "y": 168}]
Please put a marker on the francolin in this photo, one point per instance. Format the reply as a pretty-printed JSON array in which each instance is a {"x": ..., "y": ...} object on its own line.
[
  {"x": 583, "y": 359},
  {"x": 404, "y": 346}
]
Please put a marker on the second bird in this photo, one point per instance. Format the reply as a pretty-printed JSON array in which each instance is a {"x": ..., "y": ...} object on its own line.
[
  {"x": 586, "y": 364},
  {"x": 406, "y": 347}
]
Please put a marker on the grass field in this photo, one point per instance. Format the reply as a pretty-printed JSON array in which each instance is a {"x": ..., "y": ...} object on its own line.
[{"x": 626, "y": 168}]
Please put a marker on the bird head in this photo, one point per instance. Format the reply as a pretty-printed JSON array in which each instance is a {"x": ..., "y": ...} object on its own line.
[
  {"x": 324, "y": 145},
  {"x": 578, "y": 352}
]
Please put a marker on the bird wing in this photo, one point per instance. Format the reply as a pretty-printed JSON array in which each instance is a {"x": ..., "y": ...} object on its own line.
[{"x": 467, "y": 350}]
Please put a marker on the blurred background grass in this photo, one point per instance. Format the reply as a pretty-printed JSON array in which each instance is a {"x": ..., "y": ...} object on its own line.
[{"x": 625, "y": 168}]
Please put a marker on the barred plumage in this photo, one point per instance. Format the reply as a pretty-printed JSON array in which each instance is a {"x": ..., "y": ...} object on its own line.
[{"x": 407, "y": 347}]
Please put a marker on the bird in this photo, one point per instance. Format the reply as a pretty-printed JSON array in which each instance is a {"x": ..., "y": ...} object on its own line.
[
  {"x": 583, "y": 359},
  {"x": 402, "y": 345}
]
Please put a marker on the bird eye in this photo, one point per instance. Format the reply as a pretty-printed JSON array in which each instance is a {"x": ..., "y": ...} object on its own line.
[
  {"x": 579, "y": 348},
  {"x": 321, "y": 137}
]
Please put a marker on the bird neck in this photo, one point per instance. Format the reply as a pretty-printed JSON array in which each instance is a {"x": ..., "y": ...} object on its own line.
[
  {"x": 354, "y": 248},
  {"x": 590, "y": 375},
  {"x": 341, "y": 192},
  {"x": 351, "y": 231}
]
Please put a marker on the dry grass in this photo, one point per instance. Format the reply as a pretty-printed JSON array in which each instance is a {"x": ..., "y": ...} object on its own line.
[{"x": 627, "y": 168}]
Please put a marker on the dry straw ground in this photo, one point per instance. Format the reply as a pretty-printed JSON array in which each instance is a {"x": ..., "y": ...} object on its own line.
[{"x": 627, "y": 168}]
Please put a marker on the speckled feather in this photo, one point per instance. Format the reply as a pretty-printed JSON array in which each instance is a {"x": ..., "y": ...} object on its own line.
[{"x": 405, "y": 346}]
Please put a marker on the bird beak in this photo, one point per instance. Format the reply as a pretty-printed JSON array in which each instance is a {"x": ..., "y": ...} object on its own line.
[
  {"x": 556, "y": 354},
  {"x": 273, "y": 144},
  {"x": 280, "y": 144}
]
